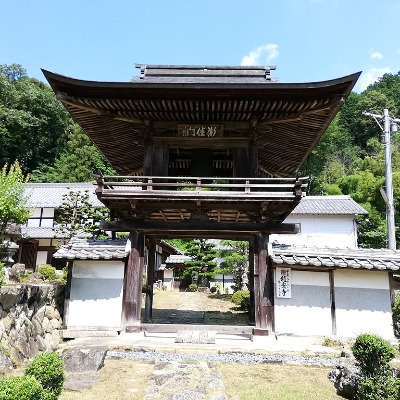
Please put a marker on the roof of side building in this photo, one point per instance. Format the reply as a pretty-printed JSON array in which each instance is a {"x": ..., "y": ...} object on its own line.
[
  {"x": 51, "y": 194},
  {"x": 334, "y": 205}
]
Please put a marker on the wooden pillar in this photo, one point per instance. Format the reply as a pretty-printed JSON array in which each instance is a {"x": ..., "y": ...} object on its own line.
[
  {"x": 332, "y": 296},
  {"x": 67, "y": 294},
  {"x": 240, "y": 158},
  {"x": 251, "y": 282},
  {"x": 151, "y": 262},
  {"x": 133, "y": 284},
  {"x": 253, "y": 156},
  {"x": 263, "y": 287}
]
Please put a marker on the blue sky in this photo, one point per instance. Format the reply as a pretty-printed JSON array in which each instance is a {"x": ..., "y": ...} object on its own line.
[{"x": 308, "y": 40}]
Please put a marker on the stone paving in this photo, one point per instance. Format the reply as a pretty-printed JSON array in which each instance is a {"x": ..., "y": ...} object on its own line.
[{"x": 186, "y": 380}]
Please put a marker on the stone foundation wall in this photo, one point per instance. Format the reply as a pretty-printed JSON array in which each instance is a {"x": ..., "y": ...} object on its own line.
[{"x": 30, "y": 320}]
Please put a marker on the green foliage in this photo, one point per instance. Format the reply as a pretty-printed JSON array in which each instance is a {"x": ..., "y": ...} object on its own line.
[
  {"x": 192, "y": 287},
  {"x": 79, "y": 160},
  {"x": 21, "y": 388},
  {"x": 12, "y": 197},
  {"x": 378, "y": 388},
  {"x": 241, "y": 298},
  {"x": 48, "y": 369},
  {"x": 373, "y": 354},
  {"x": 33, "y": 123},
  {"x": 48, "y": 272},
  {"x": 396, "y": 315},
  {"x": 202, "y": 262},
  {"x": 77, "y": 216},
  {"x": 235, "y": 255}
]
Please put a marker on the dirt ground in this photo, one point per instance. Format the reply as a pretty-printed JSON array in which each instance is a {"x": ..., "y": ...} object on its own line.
[{"x": 196, "y": 308}]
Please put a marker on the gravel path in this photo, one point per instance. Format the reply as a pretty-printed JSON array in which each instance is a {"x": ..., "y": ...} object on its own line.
[{"x": 150, "y": 355}]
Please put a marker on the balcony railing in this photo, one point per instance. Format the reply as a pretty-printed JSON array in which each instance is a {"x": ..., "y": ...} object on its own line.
[{"x": 200, "y": 187}]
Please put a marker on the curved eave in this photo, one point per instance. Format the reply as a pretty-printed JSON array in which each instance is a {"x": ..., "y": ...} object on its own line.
[
  {"x": 61, "y": 83},
  {"x": 291, "y": 117}
]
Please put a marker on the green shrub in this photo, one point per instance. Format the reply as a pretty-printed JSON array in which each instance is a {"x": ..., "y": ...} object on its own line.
[
  {"x": 242, "y": 299},
  {"x": 396, "y": 315},
  {"x": 378, "y": 388},
  {"x": 48, "y": 369},
  {"x": 48, "y": 272},
  {"x": 164, "y": 288},
  {"x": 192, "y": 287},
  {"x": 21, "y": 388},
  {"x": 373, "y": 354}
]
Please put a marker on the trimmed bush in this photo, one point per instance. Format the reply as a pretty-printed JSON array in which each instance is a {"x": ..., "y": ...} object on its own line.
[
  {"x": 48, "y": 369},
  {"x": 378, "y": 388},
  {"x": 48, "y": 272},
  {"x": 21, "y": 388},
  {"x": 192, "y": 287},
  {"x": 242, "y": 299},
  {"x": 373, "y": 354}
]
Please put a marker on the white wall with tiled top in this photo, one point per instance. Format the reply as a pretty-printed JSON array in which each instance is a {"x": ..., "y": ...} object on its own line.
[{"x": 333, "y": 231}]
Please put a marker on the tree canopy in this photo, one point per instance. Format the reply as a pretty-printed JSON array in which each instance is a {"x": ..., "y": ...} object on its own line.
[{"x": 349, "y": 159}]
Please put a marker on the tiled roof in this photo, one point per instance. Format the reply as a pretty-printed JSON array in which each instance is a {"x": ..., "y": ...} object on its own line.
[
  {"x": 371, "y": 259},
  {"x": 84, "y": 249},
  {"x": 177, "y": 259},
  {"x": 204, "y": 74},
  {"x": 335, "y": 205},
  {"x": 37, "y": 232},
  {"x": 51, "y": 194}
]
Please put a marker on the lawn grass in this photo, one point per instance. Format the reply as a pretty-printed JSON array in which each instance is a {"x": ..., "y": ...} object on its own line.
[
  {"x": 275, "y": 381},
  {"x": 119, "y": 380},
  {"x": 129, "y": 379}
]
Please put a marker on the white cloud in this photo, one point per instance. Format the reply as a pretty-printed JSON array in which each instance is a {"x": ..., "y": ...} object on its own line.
[
  {"x": 376, "y": 55},
  {"x": 265, "y": 53},
  {"x": 371, "y": 76}
]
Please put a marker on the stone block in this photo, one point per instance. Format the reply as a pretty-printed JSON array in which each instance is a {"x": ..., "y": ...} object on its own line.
[
  {"x": 10, "y": 296},
  {"x": 345, "y": 378},
  {"x": 84, "y": 359},
  {"x": 204, "y": 337},
  {"x": 5, "y": 363},
  {"x": 16, "y": 270}
]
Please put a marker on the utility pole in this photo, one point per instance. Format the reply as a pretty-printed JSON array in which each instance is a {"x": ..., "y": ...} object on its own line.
[{"x": 389, "y": 126}]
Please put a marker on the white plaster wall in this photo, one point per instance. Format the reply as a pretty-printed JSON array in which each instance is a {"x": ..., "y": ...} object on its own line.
[
  {"x": 48, "y": 212},
  {"x": 168, "y": 278},
  {"x": 36, "y": 213},
  {"x": 41, "y": 258},
  {"x": 308, "y": 311},
  {"x": 363, "y": 303},
  {"x": 96, "y": 294},
  {"x": 321, "y": 231},
  {"x": 226, "y": 282},
  {"x": 44, "y": 242}
]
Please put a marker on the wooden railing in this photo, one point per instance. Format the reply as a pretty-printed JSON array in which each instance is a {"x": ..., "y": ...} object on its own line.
[{"x": 279, "y": 186}]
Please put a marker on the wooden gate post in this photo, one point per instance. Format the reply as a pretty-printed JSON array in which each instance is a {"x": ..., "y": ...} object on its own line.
[
  {"x": 151, "y": 262},
  {"x": 251, "y": 281},
  {"x": 264, "y": 287},
  {"x": 133, "y": 284}
]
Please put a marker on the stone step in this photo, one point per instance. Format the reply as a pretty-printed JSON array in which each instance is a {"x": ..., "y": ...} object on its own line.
[{"x": 203, "y": 337}]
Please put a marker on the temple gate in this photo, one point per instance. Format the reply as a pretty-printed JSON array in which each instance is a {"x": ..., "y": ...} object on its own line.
[{"x": 202, "y": 152}]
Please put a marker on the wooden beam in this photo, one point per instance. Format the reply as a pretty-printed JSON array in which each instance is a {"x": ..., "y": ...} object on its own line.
[{"x": 198, "y": 226}]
